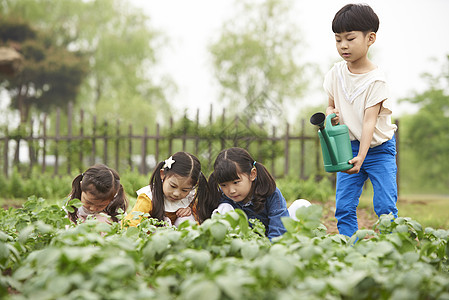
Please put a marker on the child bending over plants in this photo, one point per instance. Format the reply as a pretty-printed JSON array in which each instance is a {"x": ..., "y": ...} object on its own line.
[
  {"x": 238, "y": 181},
  {"x": 101, "y": 194},
  {"x": 177, "y": 187}
]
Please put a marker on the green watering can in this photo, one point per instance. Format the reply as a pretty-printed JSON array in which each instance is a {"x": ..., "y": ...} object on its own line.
[{"x": 335, "y": 143}]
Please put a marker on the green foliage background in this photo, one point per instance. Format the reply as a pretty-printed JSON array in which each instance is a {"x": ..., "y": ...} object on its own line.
[{"x": 255, "y": 60}]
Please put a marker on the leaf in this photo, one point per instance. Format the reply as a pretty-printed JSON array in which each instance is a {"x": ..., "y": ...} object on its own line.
[
  {"x": 200, "y": 258},
  {"x": 132, "y": 231},
  {"x": 4, "y": 251},
  {"x": 203, "y": 290},
  {"x": 290, "y": 224},
  {"x": 25, "y": 234},
  {"x": 23, "y": 273},
  {"x": 116, "y": 268},
  {"x": 59, "y": 285},
  {"x": 282, "y": 269},
  {"x": 250, "y": 250},
  {"x": 344, "y": 282},
  {"x": 218, "y": 231},
  {"x": 401, "y": 228},
  {"x": 233, "y": 218},
  {"x": 236, "y": 245},
  {"x": 160, "y": 243},
  {"x": 4, "y": 237}
]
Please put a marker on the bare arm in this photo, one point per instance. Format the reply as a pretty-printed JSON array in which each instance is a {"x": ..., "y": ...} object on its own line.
[
  {"x": 331, "y": 109},
  {"x": 369, "y": 122}
]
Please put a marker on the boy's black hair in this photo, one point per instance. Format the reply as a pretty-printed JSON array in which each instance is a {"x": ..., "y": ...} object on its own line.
[{"x": 355, "y": 17}]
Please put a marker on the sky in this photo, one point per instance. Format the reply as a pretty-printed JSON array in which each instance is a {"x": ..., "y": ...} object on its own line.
[{"x": 411, "y": 40}]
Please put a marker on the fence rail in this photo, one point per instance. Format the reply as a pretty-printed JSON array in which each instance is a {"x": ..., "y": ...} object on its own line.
[{"x": 283, "y": 153}]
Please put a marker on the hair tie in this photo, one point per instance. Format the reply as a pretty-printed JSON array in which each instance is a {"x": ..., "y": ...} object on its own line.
[
  {"x": 82, "y": 175},
  {"x": 254, "y": 164},
  {"x": 169, "y": 162}
]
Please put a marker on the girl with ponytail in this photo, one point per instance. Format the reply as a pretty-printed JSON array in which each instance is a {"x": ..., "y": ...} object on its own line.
[
  {"x": 176, "y": 190},
  {"x": 101, "y": 193},
  {"x": 238, "y": 181}
]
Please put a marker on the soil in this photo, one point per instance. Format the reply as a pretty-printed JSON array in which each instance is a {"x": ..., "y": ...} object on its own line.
[{"x": 365, "y": 217}]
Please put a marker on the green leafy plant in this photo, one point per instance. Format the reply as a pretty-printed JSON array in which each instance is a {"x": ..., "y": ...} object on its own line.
[{"x": 44, "y": 256}]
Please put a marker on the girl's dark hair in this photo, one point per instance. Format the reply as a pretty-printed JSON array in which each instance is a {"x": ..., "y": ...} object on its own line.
[
  {"x": 355, "y": 17},
  {"x": 103, "y": 183},
  {"x": 185, "y": 165},
  {"x": 229, "y": 163}
]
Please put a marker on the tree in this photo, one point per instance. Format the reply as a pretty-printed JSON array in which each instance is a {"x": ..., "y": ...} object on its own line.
[
  {"x": 122, "y": 83},
  {"x": 426, "y": 133},
  {"x": 256, "y": 58},
  {"x": 50, "y": 76}
]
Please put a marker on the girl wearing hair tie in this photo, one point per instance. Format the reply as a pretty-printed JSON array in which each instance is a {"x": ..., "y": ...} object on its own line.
[
  {"x": 176, "y": 186},
  {"x": 238, "y": 181},
  {"x": 101, "y": 193}
]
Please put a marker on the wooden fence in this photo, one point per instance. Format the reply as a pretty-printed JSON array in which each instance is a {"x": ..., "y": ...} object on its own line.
[{"x": 283, "y": 153}]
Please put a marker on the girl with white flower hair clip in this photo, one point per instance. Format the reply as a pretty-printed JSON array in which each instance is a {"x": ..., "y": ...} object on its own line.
[{"x": 176, "y": 188}]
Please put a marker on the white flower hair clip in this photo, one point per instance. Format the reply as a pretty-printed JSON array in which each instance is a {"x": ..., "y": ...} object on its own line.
[{"x": 169, "y": 162}]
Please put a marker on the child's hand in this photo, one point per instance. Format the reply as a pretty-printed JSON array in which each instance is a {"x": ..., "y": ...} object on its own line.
[
  {"x": 183, "y": 212},
  {"x": 336, "y": 119},
  {"x": 357, "y": 161}
]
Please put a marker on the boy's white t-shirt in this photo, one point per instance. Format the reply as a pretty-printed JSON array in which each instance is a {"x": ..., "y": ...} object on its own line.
[{"x": 353, "y": 93}]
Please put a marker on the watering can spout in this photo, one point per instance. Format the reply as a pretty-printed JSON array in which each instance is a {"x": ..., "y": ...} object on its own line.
[
  {"x": 318, "y": 119},
  {"x": 335, "y": 143}
]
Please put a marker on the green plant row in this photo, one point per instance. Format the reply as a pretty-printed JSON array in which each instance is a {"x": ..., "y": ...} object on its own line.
[{"x": 43, "y": 256}]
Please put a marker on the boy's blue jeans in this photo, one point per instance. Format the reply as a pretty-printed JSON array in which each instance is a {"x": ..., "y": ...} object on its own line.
[{"x": 380, "y": 167}]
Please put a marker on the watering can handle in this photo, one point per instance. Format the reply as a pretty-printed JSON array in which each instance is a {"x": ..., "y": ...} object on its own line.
[
  {"x": 326, "y": 137},
  {"x": 329, "y": 119}
]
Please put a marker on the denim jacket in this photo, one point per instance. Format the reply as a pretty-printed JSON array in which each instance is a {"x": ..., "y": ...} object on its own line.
[{"x": 270, "y": 215}]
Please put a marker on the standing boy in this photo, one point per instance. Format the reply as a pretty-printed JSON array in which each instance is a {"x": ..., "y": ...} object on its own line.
[{"x": 358, "y": 94}]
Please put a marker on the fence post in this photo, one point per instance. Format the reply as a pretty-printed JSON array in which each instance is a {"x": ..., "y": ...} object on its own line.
[
  {"x": 143, "y": 164},
  {"x": 117, "y": 146},
  {"x": 130, "y": 146},
  {"x": 184, "y": 133},
  {"x": 69, "y": 136},
  {"x": 94, "y": 132},
  {"x": 170, "y": 140},
  {"x": 303, "y": 150},
  {"x": 105, "y": 145},
  {"x": 30, "y": 145},
  {"x": 5, "y": 153},
  {"x": 157, "y": 143},
  {"x": 58, "y": 117},
  {"x": 223, "y": 122},
  {"x": 44, "y": 146},
  {"x": 80, "y": 167},
  {"x": 209, "y": 142},
  {"x": 197, "y": 138},
  {"x": 236, "y": 134},
  {"x": 286, "y": 150}
]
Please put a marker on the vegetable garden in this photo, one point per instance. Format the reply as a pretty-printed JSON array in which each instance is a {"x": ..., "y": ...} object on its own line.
[{"x": 44, "y": 256}]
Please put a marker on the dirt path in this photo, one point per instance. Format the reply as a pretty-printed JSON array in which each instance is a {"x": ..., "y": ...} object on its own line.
[{"x": 365, "y": 217}]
